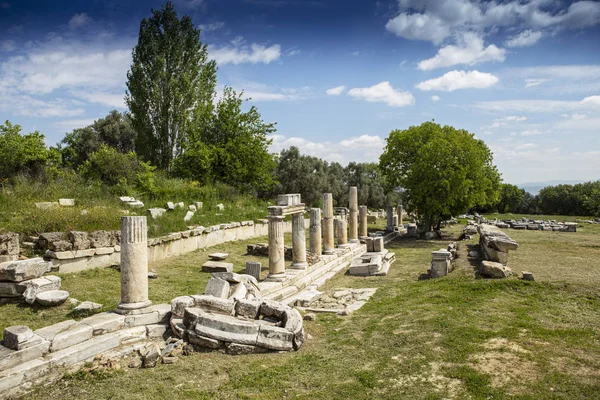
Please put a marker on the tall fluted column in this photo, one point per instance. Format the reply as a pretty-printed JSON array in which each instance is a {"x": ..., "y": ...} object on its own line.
[
  {"x": 362, "y": 222},
  {"x": 328, "y": 244},
  {"x": 134, "y": 264},
  {"x": 298, "y": 242},
  {"x": 315, "y": 231},
  {"x": 276, "y": 249},
  {"x": 341, "y": 227},
  {"x": 400, "y": 212},
  {"x": 353, "y": 221},
  {"x": 390, "y": 218}
]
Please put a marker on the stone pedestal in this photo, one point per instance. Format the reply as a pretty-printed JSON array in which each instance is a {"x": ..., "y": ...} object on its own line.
[
  {"x": 390, "y": 218},
  {"x": 276, "y": 249},
  {"x": 440, "y": 263},
  {"x": 353, "y": 221},
  {"x": 298, "y": 242},
  {"x": 328, "y": 243},
  {"x": 315, "y": 231},
  {"x": 253, "y": 269},
  {"x": 362, "y": 221},
  {"x": 395, "y": 221},
  {"x": 341, "y": 228},
  {"x": 134, "y": 264}
]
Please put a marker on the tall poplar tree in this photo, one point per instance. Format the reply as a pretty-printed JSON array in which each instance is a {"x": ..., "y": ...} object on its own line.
[{"x": 170, "y": 77}]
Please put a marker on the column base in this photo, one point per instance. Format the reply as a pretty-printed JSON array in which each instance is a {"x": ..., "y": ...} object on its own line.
[
  {"x": 276, "y": 277},
  {"x": 344, "y": 246},
  {"x": 328, "y": 252},
  {"x": 302, "y": 265},
  {"x": 354, "y": 241},
  {"x": 133, "y": 308}
]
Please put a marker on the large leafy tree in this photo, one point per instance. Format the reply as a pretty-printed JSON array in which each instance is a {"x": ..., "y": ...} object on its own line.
[
  {"x": 115, "y": 130},
  {"x": 444, "y": 171},
  {"x": 368, "y": 179},
  {"x": 298, "y": 173},
  {"x": 230, "y": 145},
  {"x": 170, "y": 77},
  {"x": 510, "y": 198},
  {"x": 23, "y": 154}
]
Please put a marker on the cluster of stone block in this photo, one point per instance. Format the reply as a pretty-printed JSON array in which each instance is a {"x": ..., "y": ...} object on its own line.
[
  {"x": 44, "y": 205},
  {"x": 495, "y": 245},
  {"x": 375, "y": 262},
  {"x": 342, "y": 301},
  {"x": 531, "y": 224},
  {"x": 131, "y": 202},
  {"x": 25, "y": 280},
  {"x": 233, "y": 317},
  {"x": 158, "y": 212},
  {"x": 73, "y": 244},
  {"x": 441, "y": 261}
]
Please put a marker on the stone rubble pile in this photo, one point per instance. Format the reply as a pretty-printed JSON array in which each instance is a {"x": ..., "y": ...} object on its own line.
[
  {"x": 341, "y": 301},
  {"x": 531, "y": 224},
  {"x": 9, "y": 246},
  {"x": 441, "y": 262},
  {"x": 375, "y": 262},
  {"x": 495, "y": 245},
  {"x": 131, "y": 202},
  {"x": 25, "y": 280},
  {"x": 233, "y": 317}
]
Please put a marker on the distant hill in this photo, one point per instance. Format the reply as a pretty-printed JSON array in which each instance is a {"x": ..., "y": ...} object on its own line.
[{"x": 535, "y": 187}]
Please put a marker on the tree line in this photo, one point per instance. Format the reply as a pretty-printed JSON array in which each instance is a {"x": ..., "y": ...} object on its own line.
[{"x": 582, "y": 199}]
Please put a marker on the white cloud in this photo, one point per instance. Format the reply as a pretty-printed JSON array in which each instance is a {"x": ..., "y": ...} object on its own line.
[
  {"x": 264, "y": 96},
  {"x": 592, "y": 100},
  {"x": 7, "y": 45},
  {"x": 532, "y": 132},
  {"x": 469, "y": 51},
  {"x": 259, "y": 92},
  {"x": 364, "y": 141},
  {"x": 365, "y": 148},
  {"x": 532, "y": 82},
  {"x": 435, "y": 20},
  {"x": 540, "y": 106},
  {"x": 455, "y": 80},
  {"x": 32, "y": 107},
  {"x": 525, "y": 38},
  {"x": 239, "y": 53},
  {"x": 336, "y": 91},
  {"x": 385, "y": 93},
  {"x": 79, "y": 20},
  {"x": 435, "y": 99},
  {"x": 70, "y": 124},
  {"x": 211, "y": 27},
  {"x": 579, "y": 123},
  {"x": 498, "y": 122},
  {"x": 116, "y": 100}
]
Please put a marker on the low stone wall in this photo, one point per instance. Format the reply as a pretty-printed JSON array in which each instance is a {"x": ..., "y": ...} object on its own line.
[
  {"x": 30, "y": 358},
  {"x": 171, "y": 245}
]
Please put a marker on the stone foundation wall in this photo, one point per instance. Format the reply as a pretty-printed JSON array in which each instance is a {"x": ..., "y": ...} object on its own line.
[{"x": 174, "y": 244}]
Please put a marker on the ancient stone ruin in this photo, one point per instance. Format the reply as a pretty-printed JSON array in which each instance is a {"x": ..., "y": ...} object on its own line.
[{"x": 495, "y": 245}]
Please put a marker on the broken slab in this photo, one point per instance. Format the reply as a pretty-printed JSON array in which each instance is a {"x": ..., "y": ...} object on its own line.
[
  {"x": 492, "y": 269},
  {"x": 218, "y": 256},
  {"x": 217, "y": 288},
  {"x": 217, "y": 266},
  {"x": 21, "y": 270}
]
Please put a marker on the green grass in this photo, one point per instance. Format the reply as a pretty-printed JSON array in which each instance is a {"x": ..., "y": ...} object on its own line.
[{"x": 454, "y": 337}]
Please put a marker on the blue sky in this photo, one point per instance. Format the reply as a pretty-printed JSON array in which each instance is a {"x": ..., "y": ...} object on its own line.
[{"x": 337, "y": 76}]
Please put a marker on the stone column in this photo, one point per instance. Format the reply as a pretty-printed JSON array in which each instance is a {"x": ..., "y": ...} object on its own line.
[
  {"x": 341, "y": 226},
  {"x": 253, "y": 268},
  {"x": 315, "y": 231},
  {"x": 362, "y": 221},
  {"x": 390, "y": 218},
  {"x": 276, "y": 249},
  {"x": 353, "y": 222},
  {"x": 298, "y": 242},
  {"x": 328, "y": 244},
  {"x": 134, "y": 264},
  {"x": 400, "y": 211}
]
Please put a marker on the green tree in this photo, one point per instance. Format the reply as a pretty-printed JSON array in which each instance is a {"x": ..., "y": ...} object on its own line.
[
  {"x": 444, "y": 171},
  {"x": 368, "y": 179},
  {"x": 23, "y": 154},
  {"x": 298, "y": 173},
  {"x": 510, "y": 198},
  {"x": 115, "y": 130},
  {"x": 170, "y": 77}
]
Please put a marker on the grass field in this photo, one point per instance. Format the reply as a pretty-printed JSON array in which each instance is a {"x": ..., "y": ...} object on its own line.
[{"x": 454, "y": 337}]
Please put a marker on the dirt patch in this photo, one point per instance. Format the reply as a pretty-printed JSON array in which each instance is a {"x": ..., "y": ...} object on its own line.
[
  {"x": 433, "y": 377},
  {"x": 504, "y": 362}
]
